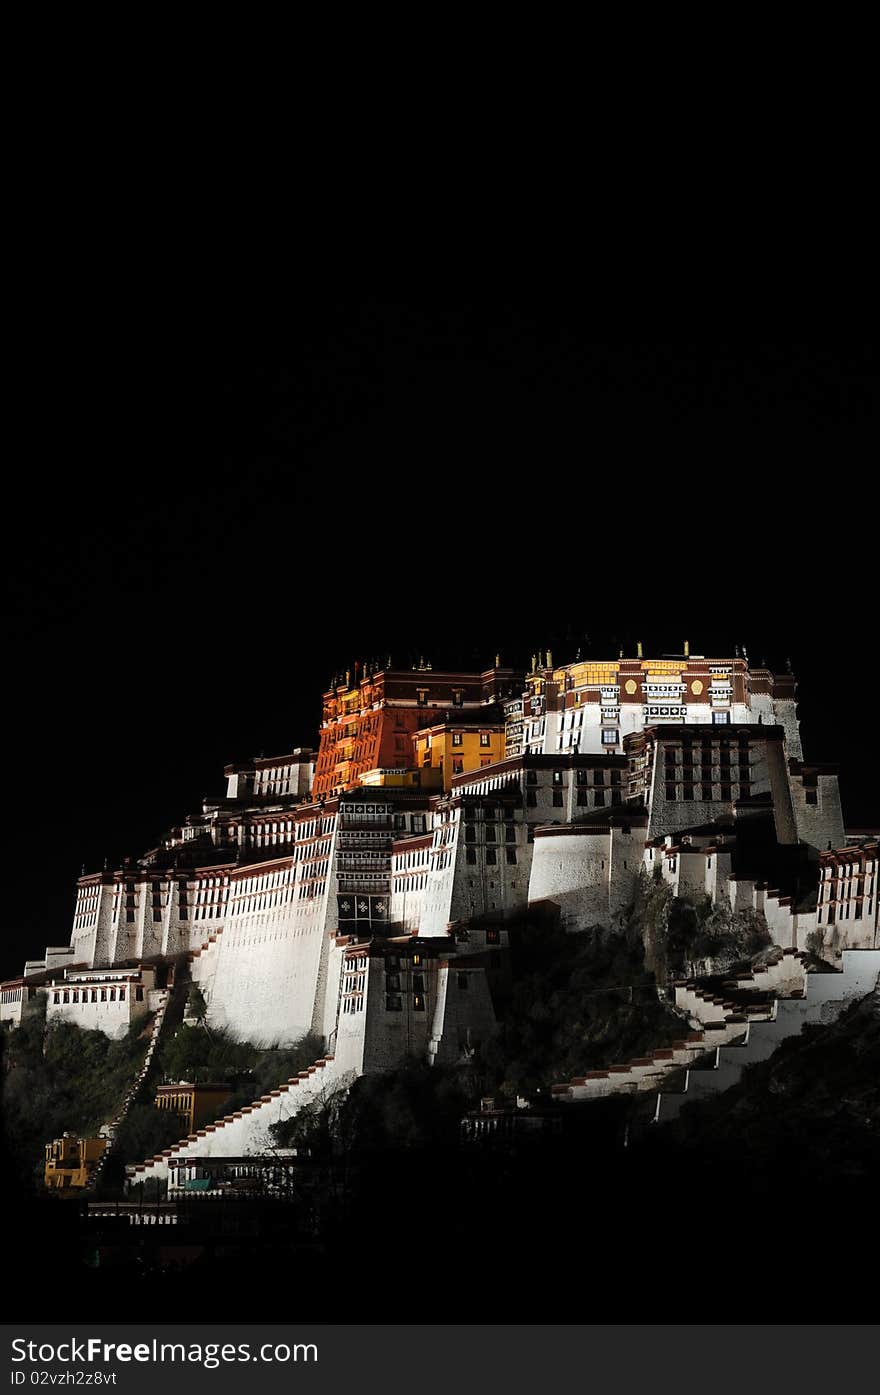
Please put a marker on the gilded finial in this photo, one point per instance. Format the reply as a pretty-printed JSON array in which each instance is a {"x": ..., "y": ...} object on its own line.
[
  {"x": 687, "y": 649},
  {"x": 639, "y": 649}
]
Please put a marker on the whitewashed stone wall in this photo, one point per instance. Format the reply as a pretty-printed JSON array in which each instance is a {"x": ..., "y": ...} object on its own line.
[
  {"x": 463, "y": 1013},
  {"x": 105, "y": 1002},
  {"x": 572, "y": 868},
  {"x": 819, "y": 824}
]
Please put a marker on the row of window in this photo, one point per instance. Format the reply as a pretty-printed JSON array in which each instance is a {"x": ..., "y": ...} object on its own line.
[
  {"x": 68, "y": 995},
  {"x": 840, "y": 911},
  {"x": 394, "y": 1002},
  {"x": 688, "y": 792},
  {"x": 489, "y": 833},
  {"x": 490, "y": 856}
]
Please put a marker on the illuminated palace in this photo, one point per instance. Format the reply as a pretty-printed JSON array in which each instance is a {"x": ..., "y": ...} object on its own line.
[{"x": 360, "y": 892}]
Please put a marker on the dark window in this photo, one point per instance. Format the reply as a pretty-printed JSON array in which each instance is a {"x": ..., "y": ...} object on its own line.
[
  {"x": 470, "y": 833},
  {"x": 418, "y": 983},
  {"x": 463, "y": 981},
  {"x": 509, "y": 833},
  {"x": 490, "y": 833},
  {"x": 726, "y": 792},
  {"x": 615, "y": 777},
  {"x": 493, "y": 937},
  {"x": 511, "y": 856},
  {"x": 688, "y": 792},
  {"x": 392, "y": 982},
  {"x": 470, "y": 855},
  {"x": 470, "y": 813},
  {"x": 557, "y": 798},
  {"x": 531, "y": 798},
  {"x": 531, "y": 777},
  {"x": 599, "y": 798},
  {"x": 581, "y": 777},
  {"x": 706, "y": 793},
  {"x": 139, "y": 995},
  {"x": 616, "y": 797},
  {"x": 393, "y": 1002},
  {"x": 598, "y": 777},
  {"x": 491, "y": 856},
  {"x": 670, "y": 793},
  {"x": 582, "y": 798},
  {"x": 812, "y": 796}
]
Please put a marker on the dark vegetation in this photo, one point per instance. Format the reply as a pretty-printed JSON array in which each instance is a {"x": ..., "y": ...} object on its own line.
[
  {"x": 63, "y": 1078},
  {"x": 810, "y": 1111},
  {"x": 589, "y": 1000},
  {"x": 415, "y": 1107},
  {"x": 60, "y": 1079},
  {"x": 676, "y": 931},
  {"x": 203, "y": 1053}
]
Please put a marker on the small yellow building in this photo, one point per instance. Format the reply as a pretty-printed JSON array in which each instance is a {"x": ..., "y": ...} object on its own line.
[
  {"x": 458, "y": 746},
  {"x": 194, "y": 1105},
  {"x": 70, "y": 1161}
]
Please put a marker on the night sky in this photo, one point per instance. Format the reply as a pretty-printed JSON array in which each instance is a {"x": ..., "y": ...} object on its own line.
[{"x": 209, "y": 525}]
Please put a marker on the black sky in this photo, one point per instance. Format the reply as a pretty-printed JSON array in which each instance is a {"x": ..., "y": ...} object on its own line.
[{"x": 208, "y": 525}]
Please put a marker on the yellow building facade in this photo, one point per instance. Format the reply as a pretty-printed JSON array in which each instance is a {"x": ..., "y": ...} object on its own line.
[
  {"x": 70, "y": 1161},
  {"x": 194, "y": 1105},
  {"x": 457, "y": 748}
]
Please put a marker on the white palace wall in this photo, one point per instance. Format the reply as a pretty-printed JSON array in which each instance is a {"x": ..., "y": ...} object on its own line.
[{"x": 260, "y": 977}]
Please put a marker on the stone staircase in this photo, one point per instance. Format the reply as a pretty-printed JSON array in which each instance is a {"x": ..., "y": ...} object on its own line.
[
  {"x": 821, "y": 999},
  {"x": 111, "y": 1129},
  {"x": 245, "y": 1132},
  {"x": 747, "y": 1021},
  {"x": 646, "y": 1073}
]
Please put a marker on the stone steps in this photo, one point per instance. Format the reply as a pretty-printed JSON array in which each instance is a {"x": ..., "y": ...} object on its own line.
[
  {"x": 821, "y": 1000},
  {"x": 239, "y": 1133},
  {"x": 133, "y": 1091},
  {"x": 730, "y": 1034}
]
